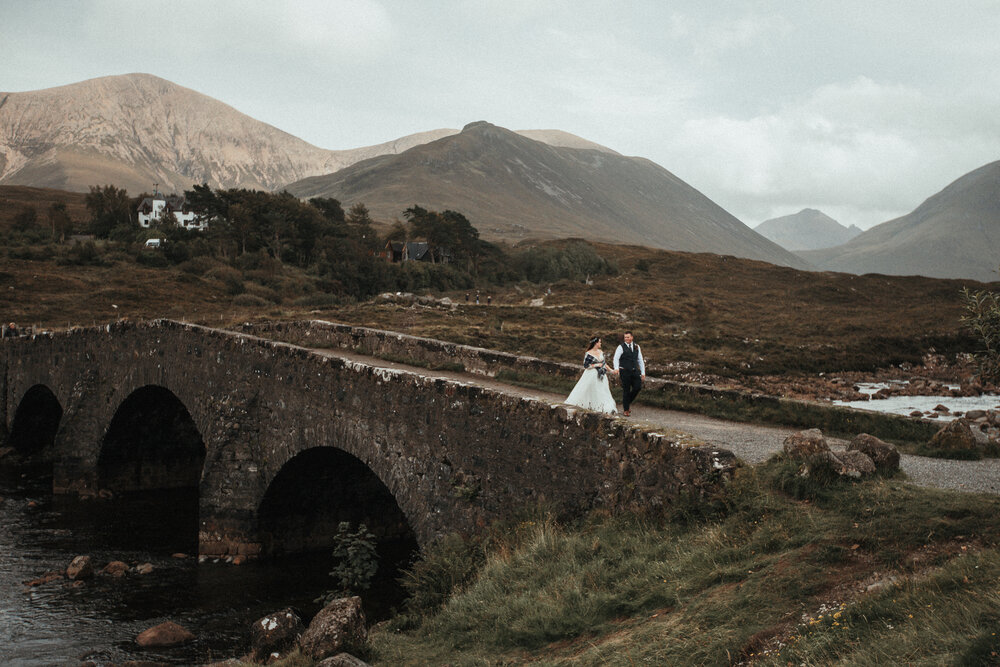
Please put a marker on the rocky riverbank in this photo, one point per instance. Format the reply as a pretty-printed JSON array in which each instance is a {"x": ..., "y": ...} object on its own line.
[{"x": 935, "y": 376}]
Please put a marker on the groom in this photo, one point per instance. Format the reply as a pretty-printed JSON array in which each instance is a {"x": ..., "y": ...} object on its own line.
[{"x": 631, "y": 369}]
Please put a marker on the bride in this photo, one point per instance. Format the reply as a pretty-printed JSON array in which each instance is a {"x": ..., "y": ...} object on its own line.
[{"x": 592, "y": 391}]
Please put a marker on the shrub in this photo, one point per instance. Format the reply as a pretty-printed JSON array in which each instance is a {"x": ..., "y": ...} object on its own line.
[
  {"x": 983, "y": 319},
  {"x": 575, "y": 261},
  {"x": 198, "y": 266},
  {"x": 83, "y": 254},
  {"x": 152, "y": 259},
  {"x": 251, "y": 301},
  {"x": 356, "y": 561},
  {"x": 228, "y": 276},
  {"x": 445, "y": 566},
  {"x": 266, "y": 293}
]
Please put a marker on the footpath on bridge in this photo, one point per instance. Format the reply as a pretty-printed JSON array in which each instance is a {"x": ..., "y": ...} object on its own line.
[{"x": 753, "y": 443}]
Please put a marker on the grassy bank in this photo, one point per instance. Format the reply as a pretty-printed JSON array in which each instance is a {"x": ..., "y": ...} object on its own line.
[{"x": 783, "y": 570}]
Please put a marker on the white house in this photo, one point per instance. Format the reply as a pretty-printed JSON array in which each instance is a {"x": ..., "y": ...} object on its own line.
[{"x": 151, "y": 208}]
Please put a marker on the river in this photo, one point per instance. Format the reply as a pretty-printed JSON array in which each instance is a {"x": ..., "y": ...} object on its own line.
[
  {"x": 905, "y": 405},
  {"x": 58, "y": 623}
]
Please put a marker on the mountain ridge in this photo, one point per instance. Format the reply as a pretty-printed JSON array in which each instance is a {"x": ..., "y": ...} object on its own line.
[
  {"x": 955, "y": 233},
  {"x": 133, "y": 130},
  {"x": 513, "y": 187}
]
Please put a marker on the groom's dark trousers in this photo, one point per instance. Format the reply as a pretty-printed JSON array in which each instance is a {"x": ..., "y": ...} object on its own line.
[{"x": 631, "y": 385}]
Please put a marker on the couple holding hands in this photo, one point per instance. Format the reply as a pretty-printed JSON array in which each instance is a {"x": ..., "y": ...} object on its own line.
[{"x": 593, "y": 392}]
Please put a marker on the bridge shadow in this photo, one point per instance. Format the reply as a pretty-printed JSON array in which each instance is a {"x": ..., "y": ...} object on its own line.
[
  {"x": 33, "y": 432},
  {"x": 312, "y": 494},
  {"x": 151, "y": 462}
]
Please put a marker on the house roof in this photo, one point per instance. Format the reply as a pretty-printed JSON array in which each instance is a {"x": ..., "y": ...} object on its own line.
[{"x": 416, "y": 249}]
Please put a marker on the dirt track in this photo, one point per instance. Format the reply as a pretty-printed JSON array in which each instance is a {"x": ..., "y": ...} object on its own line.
[{"x": 753, "y": 443}]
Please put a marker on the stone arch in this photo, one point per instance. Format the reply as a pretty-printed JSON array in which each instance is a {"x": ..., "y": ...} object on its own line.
[
  {"x": 317, "y": 489},
  {"x": 152, "y": 443},
  {"x": 151, "y": 460},
  {"x": 34, "y": 427}
]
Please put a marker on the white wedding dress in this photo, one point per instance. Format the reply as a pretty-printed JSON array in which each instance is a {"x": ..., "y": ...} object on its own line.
[{"x": 592, "y": 391}]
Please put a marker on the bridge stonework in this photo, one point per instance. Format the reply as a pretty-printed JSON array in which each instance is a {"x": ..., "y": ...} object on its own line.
[{"x": 455, "y": 456}]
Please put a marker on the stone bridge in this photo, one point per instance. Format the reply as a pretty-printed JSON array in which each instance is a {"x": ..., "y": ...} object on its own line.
[{"x": 280, "y": 442}]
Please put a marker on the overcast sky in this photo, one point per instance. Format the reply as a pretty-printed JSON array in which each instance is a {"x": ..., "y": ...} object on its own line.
[{"x": 861, "y": 109}]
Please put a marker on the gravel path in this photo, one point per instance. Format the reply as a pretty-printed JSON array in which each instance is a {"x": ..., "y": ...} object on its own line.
[{"x": 753, "y": 443}]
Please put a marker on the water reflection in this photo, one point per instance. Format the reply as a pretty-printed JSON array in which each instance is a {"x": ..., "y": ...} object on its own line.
[{"x": 57, "y": 623}]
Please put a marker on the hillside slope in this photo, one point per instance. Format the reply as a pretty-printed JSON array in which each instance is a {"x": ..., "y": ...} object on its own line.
[
  {"x": 512, "y": 187},
  {"x": 954, "y": 234}
]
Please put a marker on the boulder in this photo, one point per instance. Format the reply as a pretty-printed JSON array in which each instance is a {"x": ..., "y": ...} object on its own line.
[
  {"x": 115, "y": 568},
  {"x": 338, "y": 626},
  {"x": 855, "y": 464},
  {"x": 820, "y": 465},
  {"x": 275, "y": 633},
  {"x": 342, "y": 660},
  {"x": 144, "y": 568},
  {"x": 954, "y": 436},
  {"x": 975, "y": 414},
  {"x": 883, "y": 455},
  {"x": 167, "y": 633},
  {"x": 805, "y": 444},
  {"x": 980, "y": 431},
  {"x": 80, "y": 568}
]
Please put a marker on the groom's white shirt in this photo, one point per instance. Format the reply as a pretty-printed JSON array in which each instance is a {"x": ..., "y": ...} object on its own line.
[{"x": 618, "y": 354}]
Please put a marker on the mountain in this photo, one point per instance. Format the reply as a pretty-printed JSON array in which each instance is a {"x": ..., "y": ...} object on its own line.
[
  {"x": 808, "y": 229},
  {"x": 954, "y": 234},
  {"x": 512, "y": 187},
  {"x": 135, "y": 130},
  {"x": 563, "y": 139}
]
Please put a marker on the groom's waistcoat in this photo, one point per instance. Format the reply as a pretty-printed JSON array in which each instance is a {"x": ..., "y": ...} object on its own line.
[{"x": 629, "y": 360}]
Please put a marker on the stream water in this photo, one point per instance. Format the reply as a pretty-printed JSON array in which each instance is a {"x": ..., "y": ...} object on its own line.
[
  {"x": 904, "y": 405},
  {"x": 58, "y": 623}
]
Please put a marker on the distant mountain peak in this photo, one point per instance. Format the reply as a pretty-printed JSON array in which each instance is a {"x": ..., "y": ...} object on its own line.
[
  {"x": 476, "y": 124},
  {"x": 808, "y": 229}
]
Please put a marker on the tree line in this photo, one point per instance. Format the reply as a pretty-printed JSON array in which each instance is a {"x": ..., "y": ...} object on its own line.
[{"x": 341, "y": 248}]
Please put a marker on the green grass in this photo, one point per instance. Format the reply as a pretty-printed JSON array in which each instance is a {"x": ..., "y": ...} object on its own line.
[{"x": 876, "y": 572}]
